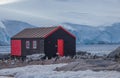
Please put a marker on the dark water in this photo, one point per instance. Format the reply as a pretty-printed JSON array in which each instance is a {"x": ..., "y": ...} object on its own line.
[
  {"x": 98, "y": 49},
  {"x": 4, "y": 49},
  {"x": 95, "y": 49}
]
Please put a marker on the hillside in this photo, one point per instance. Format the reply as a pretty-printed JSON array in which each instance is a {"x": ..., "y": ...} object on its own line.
[
  {"x": 8, "y": 28},
  {"x": 95, "y": 35},
  {"x": 84, "y": 34}
]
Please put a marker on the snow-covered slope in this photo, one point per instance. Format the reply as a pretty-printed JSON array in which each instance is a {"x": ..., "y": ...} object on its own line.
[
  {"x": 84, "y": 34},
  {"x": 114, "y": 32},
  {"x": 47, "y": 71},
  {"x": 4, "y": 37},
  {"x": 91, "y": 35},
  {"x": 14, "y": 26},
  {"x": 8, "y": 28}
]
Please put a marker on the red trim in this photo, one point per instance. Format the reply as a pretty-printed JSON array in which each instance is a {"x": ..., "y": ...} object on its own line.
[
  {"x": 59, "y": 27},
  {"x": 51, "y": 32},
  {"x": 27, "y": 44},
  {"x": 60, "y": 43},
  {"x": 16, "y": 47},
  {"x": 67, "y": 31},
  {"x": 34, "y": 44}
]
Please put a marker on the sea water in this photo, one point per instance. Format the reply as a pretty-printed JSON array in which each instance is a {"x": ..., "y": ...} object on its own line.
[
  {"x": 94, "y": 49},
  {"x": 99, "y": 49}
]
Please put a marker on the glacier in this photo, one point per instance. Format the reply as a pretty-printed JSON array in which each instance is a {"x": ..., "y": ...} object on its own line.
[
  {"x": 95, "y": 35},
  {"x": 14, "y": 26},
  {"x": 85, "y": 34},
  {"x": 4, "y": 37},
  {"x": 8, "y": 28}
]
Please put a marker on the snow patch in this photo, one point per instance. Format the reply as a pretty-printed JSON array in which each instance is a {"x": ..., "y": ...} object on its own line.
[
  {"x": 1, "y": 25},
  {"x": 46, "y": 71},
  {"x": 5, "y": 77}
]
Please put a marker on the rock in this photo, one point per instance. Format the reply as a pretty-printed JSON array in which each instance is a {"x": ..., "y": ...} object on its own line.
[
  {"x": 115, "y": 54},
  {"x": 34, "y": 57},
  {"x": 82, "y": 53},
  {"x": 70, "y": 67},
  {"x": 4, "y": 56},
  {"x": 90, "y": 64}
]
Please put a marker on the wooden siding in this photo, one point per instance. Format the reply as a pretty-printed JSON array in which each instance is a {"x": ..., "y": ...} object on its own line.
[
  {"x": 51, "y": 43},
  {"x": 25, "y": 51},
  {"x": 39, "y": 49}
]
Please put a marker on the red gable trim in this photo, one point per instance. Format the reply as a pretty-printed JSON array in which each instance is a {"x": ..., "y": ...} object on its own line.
[
  {"x": 67, "y": 32},
  {"x": 59, "y": 27},
  {"x": 51, "y": 32}
]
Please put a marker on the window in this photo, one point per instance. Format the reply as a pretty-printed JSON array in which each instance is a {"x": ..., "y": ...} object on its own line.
[
  {"x": 34, "y": 44},
  {"x": 27, "y": 44}
]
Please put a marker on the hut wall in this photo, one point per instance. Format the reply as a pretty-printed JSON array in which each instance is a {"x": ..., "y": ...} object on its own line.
[{"x": 50, "y": 43}]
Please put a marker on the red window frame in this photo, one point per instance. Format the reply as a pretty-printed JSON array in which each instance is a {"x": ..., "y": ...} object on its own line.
[
  {"x": 27, "y": 43},
  {"x": 34, "y": 44}
]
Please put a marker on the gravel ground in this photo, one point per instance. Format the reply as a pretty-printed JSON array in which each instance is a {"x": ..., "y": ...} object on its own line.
[
  {"x": 17, "y": 63},
  {"x": 91, "y": 64}
]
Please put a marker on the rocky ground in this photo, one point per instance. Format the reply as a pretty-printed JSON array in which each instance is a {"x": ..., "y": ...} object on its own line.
[
  {"x": 82, "y": 61},
  {"x": 111, "y": 62},
  {"x": 90, "y": 64},
  {"x": 74, "y": 64},
  {"x": 19, "y": 63}
]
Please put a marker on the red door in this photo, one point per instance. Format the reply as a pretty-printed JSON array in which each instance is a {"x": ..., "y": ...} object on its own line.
[
  {"x": 60, "y": 43},
  {"x": 16, "y": 47}
]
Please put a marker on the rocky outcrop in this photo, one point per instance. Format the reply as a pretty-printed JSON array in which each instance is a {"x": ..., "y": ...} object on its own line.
[
  {"x": 115, "y": 54},
  {"x": 90, "y": 64}
]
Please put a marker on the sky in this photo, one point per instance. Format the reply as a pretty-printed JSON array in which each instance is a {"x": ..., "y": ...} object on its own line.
[
  {"x": 48, "y": 12},
  {"x": 3, "y": 2}
]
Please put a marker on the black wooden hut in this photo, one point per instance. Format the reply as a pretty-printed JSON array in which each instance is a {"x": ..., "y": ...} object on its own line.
[{"x": 51, "y": 41}]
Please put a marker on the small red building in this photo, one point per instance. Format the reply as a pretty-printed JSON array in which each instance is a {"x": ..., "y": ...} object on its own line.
[{"x": 47, "y": 40}]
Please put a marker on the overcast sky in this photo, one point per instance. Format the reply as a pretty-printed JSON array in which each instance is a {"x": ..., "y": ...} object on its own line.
[{"x": 48, "y": 12}]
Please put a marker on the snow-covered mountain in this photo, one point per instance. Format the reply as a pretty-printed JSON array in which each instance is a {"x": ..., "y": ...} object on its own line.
[
  {"x": 9, "y": 28},
  {"x": 95, "y": 35},
  {"x": 4, "y": 37},
  {"x": 84, "y": 34},
  {"x": 13, "y": 26}
]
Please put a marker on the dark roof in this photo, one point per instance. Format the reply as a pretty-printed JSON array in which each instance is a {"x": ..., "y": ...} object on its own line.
[{"x": 40, "y": 32}]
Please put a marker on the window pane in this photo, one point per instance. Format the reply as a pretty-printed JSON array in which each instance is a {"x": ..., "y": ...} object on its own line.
[
  {"x": 34, "y": 44},
  {"x": 27, "y": 44}
]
